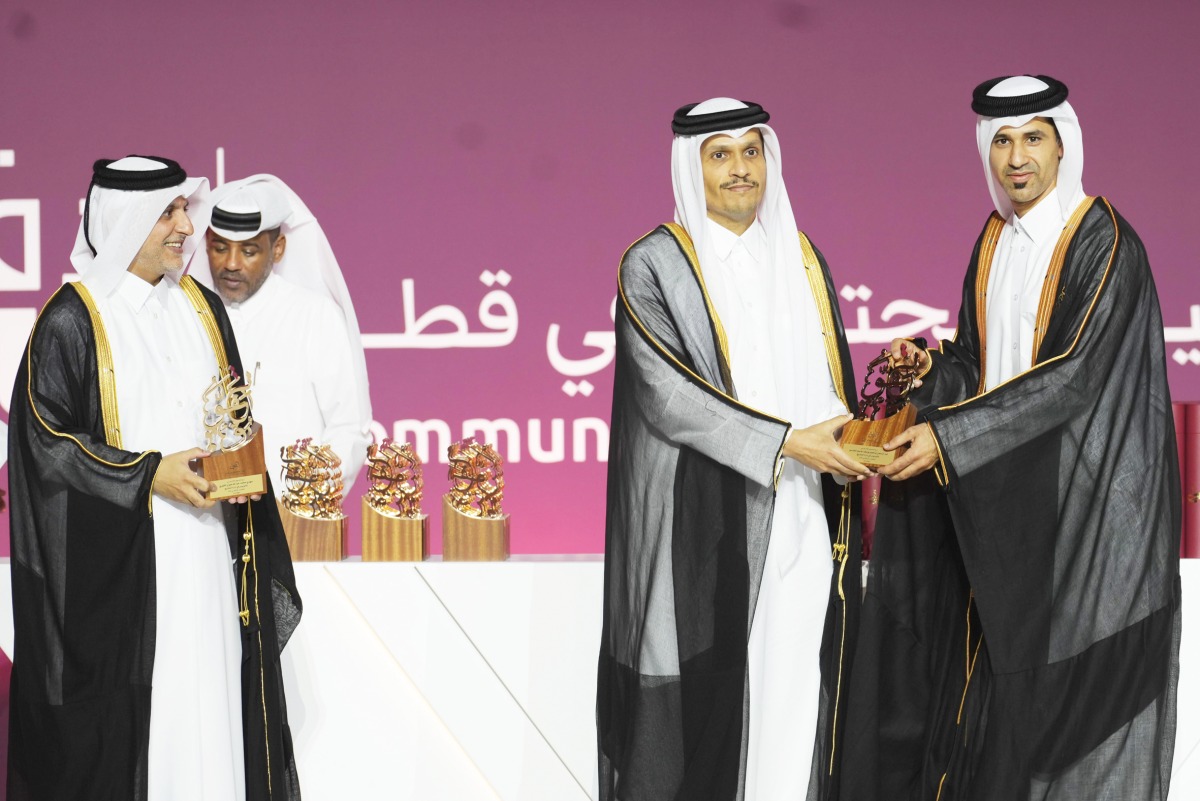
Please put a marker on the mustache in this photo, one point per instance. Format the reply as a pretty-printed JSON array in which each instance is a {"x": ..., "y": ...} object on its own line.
[{"x": 731, "y": 184}]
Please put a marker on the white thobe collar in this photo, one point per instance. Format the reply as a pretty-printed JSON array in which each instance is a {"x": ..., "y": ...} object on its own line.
[
  {"x": 137, "y": 292},
  {"x": 1043, "y": 222},
  {"x": 753, "y": 239}
]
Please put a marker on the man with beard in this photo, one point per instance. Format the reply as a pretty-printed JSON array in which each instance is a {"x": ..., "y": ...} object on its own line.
[
  {"x": 725, "y": 616},
  {"x": 267, "y": 257},
  {"x": 1020, "y": 634},
  {"x": 148, "y": 619}
]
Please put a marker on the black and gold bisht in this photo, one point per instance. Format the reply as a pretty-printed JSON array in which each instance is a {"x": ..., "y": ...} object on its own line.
[
  {"x": 1020, "y": 629},
  {"x": 691, "y": 493},
  {"x": 83, "y": 574}
]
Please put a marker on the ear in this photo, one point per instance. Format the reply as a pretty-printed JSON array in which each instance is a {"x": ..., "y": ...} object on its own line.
[{"x": 281, "y": 245}]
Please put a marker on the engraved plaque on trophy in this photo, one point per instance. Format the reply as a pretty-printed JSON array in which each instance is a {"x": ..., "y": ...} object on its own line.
[
  {"x": 311, "y": 502},
  {"x": 233, "y": 439},
  {"x": 393, "y": 528},
  {"x": 474, "y": 528},
  {"x": 885, "y": 390}
]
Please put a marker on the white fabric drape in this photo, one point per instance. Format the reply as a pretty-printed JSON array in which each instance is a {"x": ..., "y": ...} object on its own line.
[
  {"x": 758, "y": 286},
  {"x": 308, "y": 262},
  {"x": 119, "y": 222},
  {"x": 163, "y": 361},
  {"x": 1026, "y": 244},
  {"x": 1070, "y": 169}
]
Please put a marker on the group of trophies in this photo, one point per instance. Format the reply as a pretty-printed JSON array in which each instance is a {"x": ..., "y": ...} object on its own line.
[{"x": 474, "y": 527}]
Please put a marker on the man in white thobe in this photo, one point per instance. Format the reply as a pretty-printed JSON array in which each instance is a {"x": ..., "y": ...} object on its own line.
[
  {"x": 733, "y": 381},
  {"x": 132, "y": 688},
  {"x": 269, "y": 260}
]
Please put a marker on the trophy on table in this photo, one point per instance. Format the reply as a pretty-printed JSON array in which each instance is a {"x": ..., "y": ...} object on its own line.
[
  {"x": 394, "y": 530},
  {"x": 235, "y": 463},
  {"x": 885, "y": 390},
  {"x": 310, "y": 504},
  {"x": 474, "y": 528}
]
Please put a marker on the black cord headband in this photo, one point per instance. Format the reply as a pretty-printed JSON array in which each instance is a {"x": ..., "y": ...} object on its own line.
[
  {"x": 105, "y": 177},
  {"x": 1020, "y": 105},
  {"x": 684, "y": 125}
]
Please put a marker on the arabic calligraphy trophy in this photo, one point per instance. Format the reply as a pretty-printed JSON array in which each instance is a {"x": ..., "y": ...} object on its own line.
[
  {"x": 310, "y": 504},
  {"x": 474, "y": 528},
  {"x": 885, "y": 390},
  {"x": 233, "y": 439},
  {"x": 393, "y": 528}
]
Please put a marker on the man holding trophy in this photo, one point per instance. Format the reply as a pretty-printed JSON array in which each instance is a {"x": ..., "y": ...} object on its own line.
[
  {"x": 267, "y": 257},
  {"x": 731, "y": 555},
  {"x": 1020, "y": 634},
  {"x": 144, "y": 663}
]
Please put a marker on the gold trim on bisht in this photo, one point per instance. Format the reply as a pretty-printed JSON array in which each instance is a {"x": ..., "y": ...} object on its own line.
[
  {"x": 666, "y": 354},
  {"x": 1087, "y": 318},
  {"x": 816, "y": 281},
  {"x": 689, "y": 251},
  {"x": 987, "y": 249},
  {"x": 1054, "y": 274},
  {"x": 196, "y": 297},
  {"x": 105, "y": 374}
]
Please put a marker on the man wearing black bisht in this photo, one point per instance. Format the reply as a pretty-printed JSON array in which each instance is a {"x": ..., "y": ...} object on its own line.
[
  {"x": 1020, "y": 632},
  {"x": 149, "y": 619},
  {"x": 731, "y": 577}
]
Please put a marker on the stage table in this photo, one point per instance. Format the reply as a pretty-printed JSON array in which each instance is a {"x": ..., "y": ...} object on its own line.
[{"x": 474, "y": 682}]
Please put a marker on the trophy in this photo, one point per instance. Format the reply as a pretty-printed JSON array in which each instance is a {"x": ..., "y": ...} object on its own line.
[
  {"x": 234, "y": 441},
  {"x": 310, "y": 505},
  {"x": 864, "y": 437},
  {"x": 394, "y": 530},
  {"x": 474, "y": 529}
]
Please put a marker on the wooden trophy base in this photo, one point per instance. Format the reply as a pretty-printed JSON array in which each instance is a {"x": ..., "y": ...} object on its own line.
[
  {"x": 393, "y": 539},
  {"x": 241, "y": 471},
  {"x": 864, "y": 439},
  {"x": 472, "y": 539},
  {"x": 312, "y": 540}
]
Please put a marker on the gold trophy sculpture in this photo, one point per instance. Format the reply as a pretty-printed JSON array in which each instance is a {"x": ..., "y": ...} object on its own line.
[
  {"x": 864, "y": 437},
  {"x": 311, "y": 502},
  {"x": 394, "y": 530},
  {"x": 233, "y": 439},
  {"x": 474, "y": 529}
]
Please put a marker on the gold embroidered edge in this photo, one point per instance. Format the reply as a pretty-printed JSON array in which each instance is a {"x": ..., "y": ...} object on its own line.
[
  {"x": 196, "y": 297},
  {"x": 820, "y": 293},
  {"x": 987, "y": 250},
  {"x": 105, "y": 374},
  {"x": 689, "y": 252},
  {"x": 1082, "y": 326},
  {"x": 98, "y": 329},
  {"x": 1054, "y": 275},
  {"x": 684, "y": 240}
]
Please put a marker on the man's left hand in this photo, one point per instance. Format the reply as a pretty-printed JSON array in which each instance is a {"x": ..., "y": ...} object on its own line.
[{"x": 921, "y": 455}]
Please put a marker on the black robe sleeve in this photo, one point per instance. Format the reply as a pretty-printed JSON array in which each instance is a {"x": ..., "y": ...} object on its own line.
[
  {"x": 83, "y": 576},
  {"x": 1021, "y": 627},
  {"x": 690, "y": 500}
]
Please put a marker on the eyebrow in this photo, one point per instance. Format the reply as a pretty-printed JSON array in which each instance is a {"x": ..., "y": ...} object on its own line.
[
  {"x": 726, "y": 146},
  {"x": 1021, "y": 134}
]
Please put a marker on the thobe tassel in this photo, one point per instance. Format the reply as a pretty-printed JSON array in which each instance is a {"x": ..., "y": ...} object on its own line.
[
  {"x": 841, "y": 550},
  {"x": 248, "y": 539}
]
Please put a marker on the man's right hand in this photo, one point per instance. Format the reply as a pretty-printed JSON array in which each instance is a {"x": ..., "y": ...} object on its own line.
[
  {"x": 176, "y": 481},
  {"x": 817, "y": 447}
]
